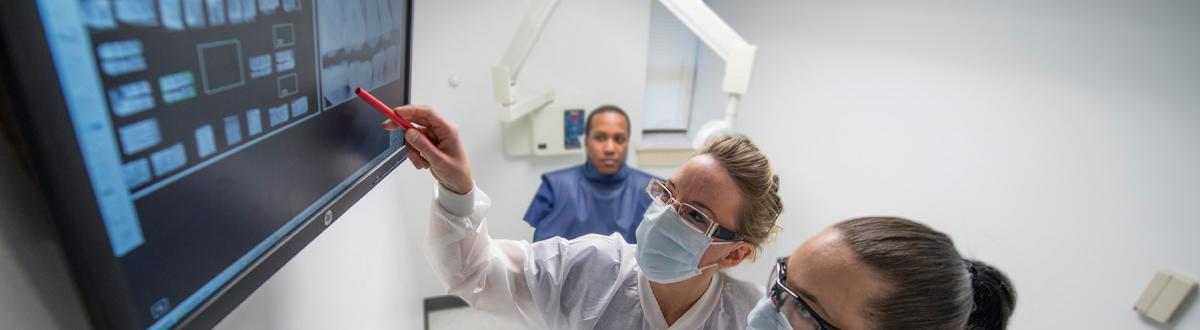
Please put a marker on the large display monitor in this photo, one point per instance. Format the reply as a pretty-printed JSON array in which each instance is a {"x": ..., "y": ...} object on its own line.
[{"x": 189, "y": 148}]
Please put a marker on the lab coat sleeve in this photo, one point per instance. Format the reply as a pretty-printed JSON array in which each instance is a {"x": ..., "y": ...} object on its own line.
[
  {"x": 541, "y": 205},
  {"x": 487, "y": 274},
  {"x": 519, "y": 281}
]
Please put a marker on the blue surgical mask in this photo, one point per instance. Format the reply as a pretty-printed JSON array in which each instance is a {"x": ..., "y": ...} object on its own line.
[
  {"x": 765, "y": 317},
  {"x": 668, "y": 250}
]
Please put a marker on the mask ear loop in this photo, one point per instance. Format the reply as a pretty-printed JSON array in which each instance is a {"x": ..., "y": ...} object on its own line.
[
  {"x": 702, "y": 269},
  {"x": 718, "y": 262}
]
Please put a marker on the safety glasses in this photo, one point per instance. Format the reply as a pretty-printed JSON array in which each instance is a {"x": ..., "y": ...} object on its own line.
[
  {"x": 789, "y": 304},
  {"x": 692, "y": 216}
]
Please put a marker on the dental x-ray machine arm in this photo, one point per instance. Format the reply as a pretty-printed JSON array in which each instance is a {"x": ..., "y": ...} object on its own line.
[
  {"x": 697, "y": 16},
  {"x": 504, "y": 75},
  {"x": 726, "y": 43}
]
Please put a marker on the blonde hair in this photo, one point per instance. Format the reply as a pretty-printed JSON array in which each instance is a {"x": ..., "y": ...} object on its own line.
[{"x": 757, "y": 181}]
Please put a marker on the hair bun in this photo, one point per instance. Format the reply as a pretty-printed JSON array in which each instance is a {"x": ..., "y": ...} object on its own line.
[{"x": 994, "y": 297}]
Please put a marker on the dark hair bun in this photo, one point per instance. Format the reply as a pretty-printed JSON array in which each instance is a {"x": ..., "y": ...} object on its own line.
[{"x": 994, "y": 297}]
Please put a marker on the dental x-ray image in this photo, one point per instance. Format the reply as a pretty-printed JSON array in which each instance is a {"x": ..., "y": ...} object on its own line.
[{"x": 361, "y": 45}]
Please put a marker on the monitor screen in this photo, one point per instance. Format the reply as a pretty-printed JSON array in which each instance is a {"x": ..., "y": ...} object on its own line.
[{"x": 204, "y": 134}]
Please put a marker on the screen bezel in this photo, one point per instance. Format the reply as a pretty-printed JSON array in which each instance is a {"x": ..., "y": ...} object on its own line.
[{"x": 52, "y": 154}]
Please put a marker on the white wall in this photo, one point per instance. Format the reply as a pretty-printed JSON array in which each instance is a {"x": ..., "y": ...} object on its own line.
[
  {"x": 367, "y": 270},
  {"x": 1058, "y": 140}
]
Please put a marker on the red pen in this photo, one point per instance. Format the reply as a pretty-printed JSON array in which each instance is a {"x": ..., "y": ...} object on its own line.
[{"x": 386, "y": 111}]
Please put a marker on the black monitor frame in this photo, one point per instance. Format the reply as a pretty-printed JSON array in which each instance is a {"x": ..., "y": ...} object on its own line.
[{"x": 29, "y": 80}]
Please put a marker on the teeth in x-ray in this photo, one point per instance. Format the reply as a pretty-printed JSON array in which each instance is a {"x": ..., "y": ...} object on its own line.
[
  {"x": 291, "y": 5},
  {"x": 233, "y": 130},
  {"x": 333, "y": 83},
  {"x": 268, "y": 6},
  {"x": 399, "y": 15},
  {"x": 379, "y": 65},
  {"x": 234, "y": 12},
  {"x": 361, "y": 75},
  {"x": 337, "y": 80},
  {"x": 278, "y": 114},
  {"x": 299, "y": 106},
  {"x": 136, "y": 173},
  {"x": 170, "y": 12},
  {"x": 97, "y": 14},
  {"x": 254, "y": 122},
  {"x": 284, "y": 60},
  {"x": 168, "y": 160},
  {"x": 139, "y": 136},
  {"x": 328, "y": 19},
  {"x": 260, "y": 66},
  {"x": 388, "y": 57},
  {"x": 371, "y": 22},
  {"x": 219, "y": 12},
  {"x": 356, "y": 26},
  {"x": 193, "y": 13},
  {"x": 205, "y": 142},
  {"x": 136, "y": 12},
  {"x": 131, "y": 98},
  {"x": 364, "y": 74},
  {"x": 216, "y": 12},
  {"x": 385, "y": 20},
  {"x": 177, "y": 86},
  {"x": 241, "y": 11},
  {"x": 349, "y": 28},
  {"x": 351, "y": 25},
  {"x": 121, "y": 57},
  {"x": 248, "y": 10},
  {"x": 397, "y": 68}
]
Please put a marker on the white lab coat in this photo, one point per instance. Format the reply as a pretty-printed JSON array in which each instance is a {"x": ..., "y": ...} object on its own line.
[{"x": 592, "y": 282}]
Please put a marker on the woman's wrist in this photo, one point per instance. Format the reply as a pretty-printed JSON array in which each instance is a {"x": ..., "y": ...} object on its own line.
[
  {"x": 458, "y": 204},
  {"x": 456, "y": 184}
]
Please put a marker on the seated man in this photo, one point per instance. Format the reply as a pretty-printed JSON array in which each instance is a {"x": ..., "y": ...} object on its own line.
[{"x": 601, "y": 196}]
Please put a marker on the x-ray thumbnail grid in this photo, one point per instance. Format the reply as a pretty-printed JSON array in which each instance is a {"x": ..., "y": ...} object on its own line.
[
  {"x": 179, "y": 15},
  {"x": 143, "y": 99},
  {"x": 201, "y": 126}
]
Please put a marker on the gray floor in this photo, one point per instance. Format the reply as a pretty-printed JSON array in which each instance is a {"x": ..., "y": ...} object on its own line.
[{"x": 468, "y": 318}]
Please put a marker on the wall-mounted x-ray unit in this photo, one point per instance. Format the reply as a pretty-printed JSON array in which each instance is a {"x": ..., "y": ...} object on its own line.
[{"x": 536, "y": 126}]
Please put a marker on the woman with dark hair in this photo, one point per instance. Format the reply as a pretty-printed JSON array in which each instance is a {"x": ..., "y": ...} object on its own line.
[{"x": 883, "y": 273}]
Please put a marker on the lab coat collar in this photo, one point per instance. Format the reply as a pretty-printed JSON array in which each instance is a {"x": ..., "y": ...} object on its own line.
[
  {"x": 593, "y": 174},
  {"x": 694, "y": 318}
]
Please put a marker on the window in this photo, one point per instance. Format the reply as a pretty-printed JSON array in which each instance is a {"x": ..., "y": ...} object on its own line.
[{"x": 670, "y": 72}]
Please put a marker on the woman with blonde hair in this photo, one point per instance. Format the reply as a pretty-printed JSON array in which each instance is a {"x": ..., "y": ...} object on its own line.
[{"x": 710, "y": 215}]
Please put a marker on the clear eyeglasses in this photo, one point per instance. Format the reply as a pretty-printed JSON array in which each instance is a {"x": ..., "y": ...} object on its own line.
[
  {"x": 692, "y": 216},
  {"x": 789, "y": 304}
]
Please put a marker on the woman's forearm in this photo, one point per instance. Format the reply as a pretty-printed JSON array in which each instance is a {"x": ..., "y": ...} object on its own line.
[{"x": 488, "y": 274}]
